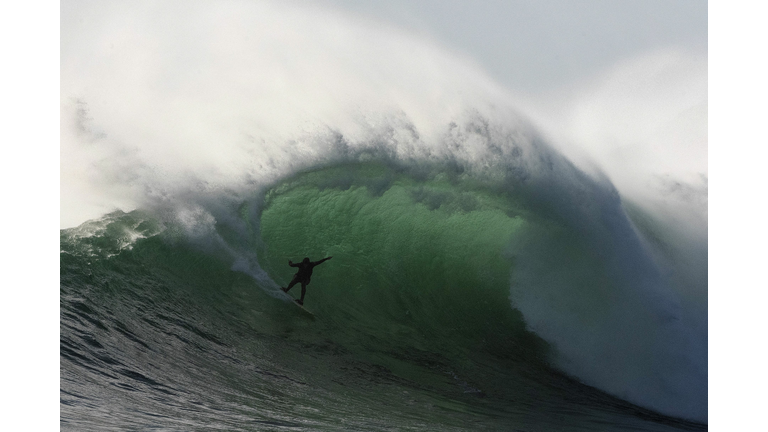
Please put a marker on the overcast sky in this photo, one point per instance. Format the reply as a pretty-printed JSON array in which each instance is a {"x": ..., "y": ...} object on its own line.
[{"x": 532, "y": 46}]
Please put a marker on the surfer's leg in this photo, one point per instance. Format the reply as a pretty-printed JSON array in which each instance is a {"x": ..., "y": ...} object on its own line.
[
  {"x": 294, "y": 281},
  {"x": 303, "y": 291}
]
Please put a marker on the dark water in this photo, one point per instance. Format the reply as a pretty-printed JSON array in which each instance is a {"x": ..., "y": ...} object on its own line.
[{"x": 418, "y": 322}]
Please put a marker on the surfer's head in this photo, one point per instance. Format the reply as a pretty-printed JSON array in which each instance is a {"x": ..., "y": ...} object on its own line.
[{"x": 306, "y": 260}]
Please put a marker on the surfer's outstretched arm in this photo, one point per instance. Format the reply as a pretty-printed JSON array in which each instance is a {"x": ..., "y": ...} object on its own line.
[
  {"x": 321, "y": 261},
  {"x": 290, "y": 263}
]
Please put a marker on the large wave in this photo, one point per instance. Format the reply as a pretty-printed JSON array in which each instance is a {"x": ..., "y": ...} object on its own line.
[{"x": 454, "y": 226}]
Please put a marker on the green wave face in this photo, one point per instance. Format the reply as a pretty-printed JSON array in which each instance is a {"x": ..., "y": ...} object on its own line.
[
  {"x": 419, "y": 264},
  {"x": 417, "y": 318}
]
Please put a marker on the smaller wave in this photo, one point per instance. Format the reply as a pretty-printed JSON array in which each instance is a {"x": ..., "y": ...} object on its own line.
[{"x": 109, "y": 235}]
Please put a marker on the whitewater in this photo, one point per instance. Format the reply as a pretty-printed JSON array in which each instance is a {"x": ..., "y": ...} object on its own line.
[{"x": 483, "y": 278}]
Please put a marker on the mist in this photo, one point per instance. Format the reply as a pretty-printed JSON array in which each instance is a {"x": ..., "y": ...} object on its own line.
[{"x": 153, "y": 92}]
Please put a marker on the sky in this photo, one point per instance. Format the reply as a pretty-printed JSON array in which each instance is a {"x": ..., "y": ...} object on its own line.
[{"x": 534, "y": 46}]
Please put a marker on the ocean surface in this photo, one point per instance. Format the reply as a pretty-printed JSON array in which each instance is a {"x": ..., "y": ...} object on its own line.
[{"x": 518, "y": 295}]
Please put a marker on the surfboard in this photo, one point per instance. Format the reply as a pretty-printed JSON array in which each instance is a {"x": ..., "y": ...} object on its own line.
[{"x": 295, "y": 302}]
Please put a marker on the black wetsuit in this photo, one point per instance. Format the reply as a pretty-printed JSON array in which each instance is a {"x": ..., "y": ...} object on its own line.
[
  {"x": 305, "y": 271},
  {"x": 304, "y": 275}
]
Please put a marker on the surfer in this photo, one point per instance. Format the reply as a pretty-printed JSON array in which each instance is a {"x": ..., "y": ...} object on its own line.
[{"x": 303, "y": 275}]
